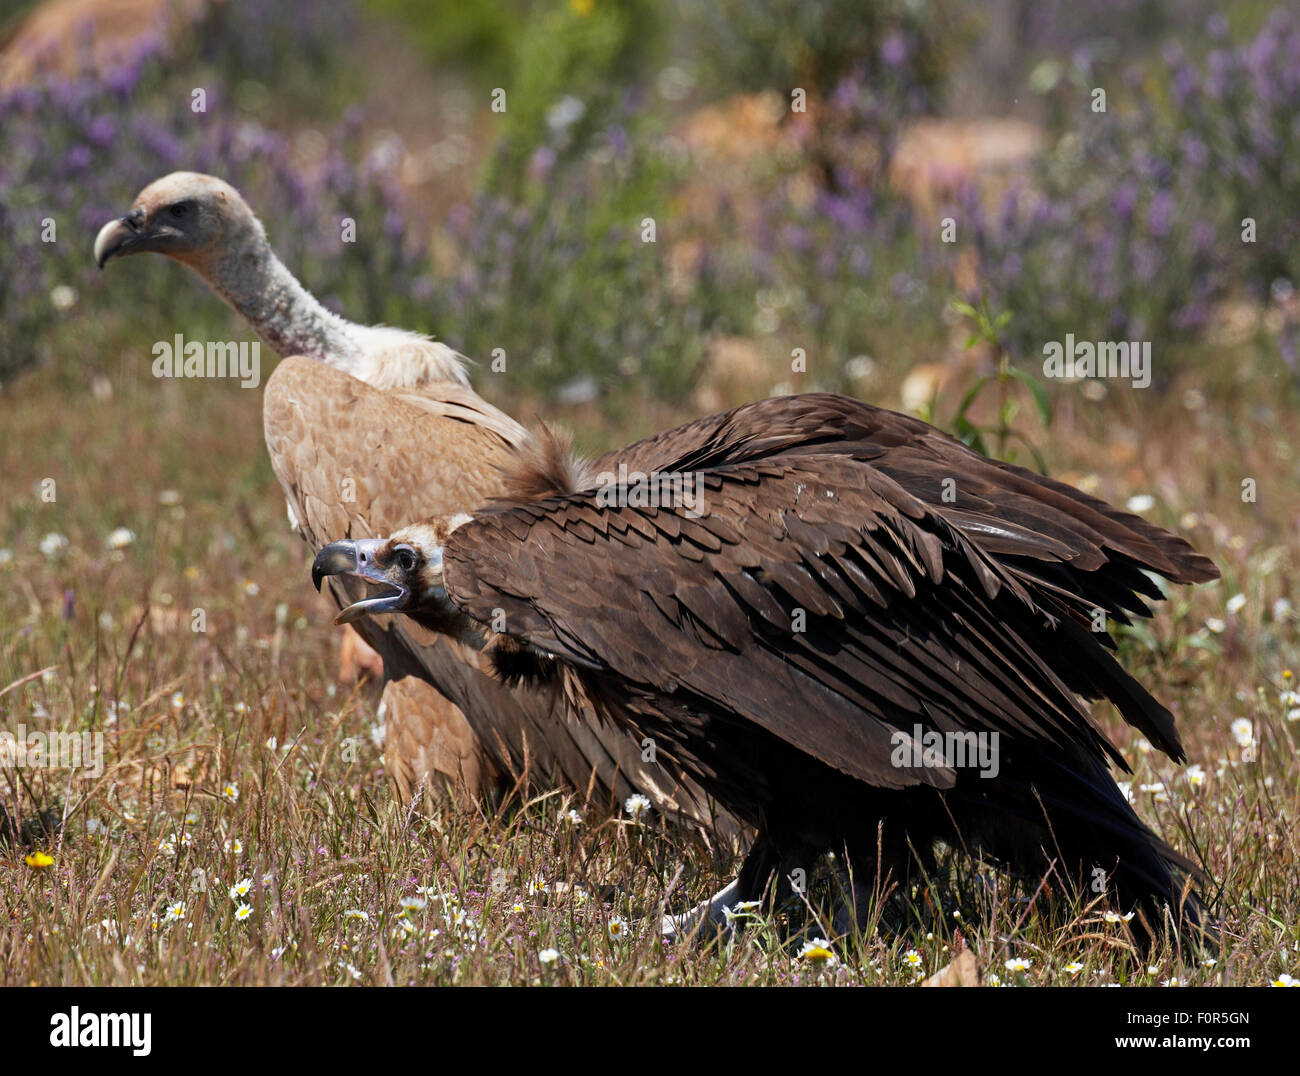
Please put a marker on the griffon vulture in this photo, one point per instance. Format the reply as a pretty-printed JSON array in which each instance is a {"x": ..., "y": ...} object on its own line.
[
  {"x": 366, "y": 425},
  {"x": 840, "y": 619}
]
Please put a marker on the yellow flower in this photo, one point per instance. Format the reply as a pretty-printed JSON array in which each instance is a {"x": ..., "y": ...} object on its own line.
[
  {"x": 582, "y": 8},
  {"x": 39, "y": 860},
  {"x": 817, "y": 951}
]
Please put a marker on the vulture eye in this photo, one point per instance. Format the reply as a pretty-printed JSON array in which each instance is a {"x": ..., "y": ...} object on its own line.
[
  {"x": 179, "y": 209},
  {"x": 405, "y": 558}
]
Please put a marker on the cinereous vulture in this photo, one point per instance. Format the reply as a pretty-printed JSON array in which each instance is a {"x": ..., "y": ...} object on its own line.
[{"x": 855, "y": 632}]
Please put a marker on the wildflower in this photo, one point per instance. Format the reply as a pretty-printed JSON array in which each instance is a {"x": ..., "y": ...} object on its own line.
[
  {"x": 53, "y": 544},
  {"x": 636, "y": 806},
  {"x": 243, "y": 912},
  {"x": 1141, "y": 502},
  {"x": 1017, "y": 963},
  {"x": 818, "y": 952},
  {"x": 994, "y": 979},
  {"x": 912, "y": 958},
  {"x": 169, "y": 498},
  {"x": 234, "y": 845},
  {"x": 1285, "y": 980},
  {"x": 1243, "y": 732},
  {"x": 167, "y": 846},
  {"x": 63, "y": 297},
  {"x": 39, "y": 860},
  {"x": 1115, "y": 917},
  {"x": 1073, "y": 967},
  {"x": 516, "y": 908},
  {"x": 119, "y": 538},
  {"x": 1216, "y": 625},
  {"x": 412, "y": 904},
  {"x": 573, "y": 817},
  {"x": 231, "y": 792},
  {"x": 357, "y": 913},
  {"x": 548, "y": 956},
  {"x": 1281, "y": 609},
  {"x": 617, "y": 927},
  {"x": 1195, "y": 775},
  {"x": 1236, "y": 604},
  {"x": 272, "y": 743},
  {"x": 1175, "y": 981},
  {"x": 354, "y": 972},
  {"x": 178, "y": 700},
  {"x": 175, "y": 912},
  {"x": 240, "y": 889}
]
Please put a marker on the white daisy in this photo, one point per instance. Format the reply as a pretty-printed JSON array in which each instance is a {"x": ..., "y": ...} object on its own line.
[
  {"x": 636, "y": 806},
  {"x": 53, "y": 544}
]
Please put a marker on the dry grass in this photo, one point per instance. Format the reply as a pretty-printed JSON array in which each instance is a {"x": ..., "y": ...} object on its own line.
[{"x": 331, "y": 857}]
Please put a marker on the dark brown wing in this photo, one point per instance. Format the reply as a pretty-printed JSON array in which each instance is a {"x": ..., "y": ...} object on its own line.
[
  {"x": 906, "y": 621},
  {"x": 1007, "y": 510},
  {"x": 1074, "y": 553}
]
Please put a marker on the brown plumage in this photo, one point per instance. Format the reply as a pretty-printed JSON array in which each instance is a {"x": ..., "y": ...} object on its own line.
[
  {"x": 845, "y": 577},
  {"x": 365, "y": 425}
]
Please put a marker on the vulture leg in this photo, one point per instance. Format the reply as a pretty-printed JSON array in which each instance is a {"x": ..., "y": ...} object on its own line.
[
  {"x": 709, "y": 917},
  {"x": 766, "y": 872}
]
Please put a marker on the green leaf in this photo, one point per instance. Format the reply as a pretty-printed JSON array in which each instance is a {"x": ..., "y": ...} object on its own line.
[
  {"x": 970, "y": 396},
  {"x": 1041, "y": 398}
]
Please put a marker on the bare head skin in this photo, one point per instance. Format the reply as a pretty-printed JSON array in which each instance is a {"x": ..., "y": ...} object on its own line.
[
  {"x": 196, "y": 219},
  {"x": 203, "y": 222},
  {"x": 407, "y": 566}
]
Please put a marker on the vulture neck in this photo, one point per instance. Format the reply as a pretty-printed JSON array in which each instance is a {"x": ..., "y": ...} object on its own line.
[{"x": 284, "y": 313}]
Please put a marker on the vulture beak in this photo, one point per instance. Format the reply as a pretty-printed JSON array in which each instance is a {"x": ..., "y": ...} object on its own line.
[
  {"x": 121, "y": 236},
  {"x": 358, "y": 558}
]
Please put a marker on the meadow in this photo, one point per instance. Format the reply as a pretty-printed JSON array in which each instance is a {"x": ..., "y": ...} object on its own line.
[{"x": 243, "y": 831}]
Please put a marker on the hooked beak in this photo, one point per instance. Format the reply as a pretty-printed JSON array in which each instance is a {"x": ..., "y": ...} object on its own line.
[
  {"x": 358, "y": 558},
  {"x": 121, "y": 236}
]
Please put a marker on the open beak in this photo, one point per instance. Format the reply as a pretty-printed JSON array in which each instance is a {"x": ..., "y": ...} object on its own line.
[
  {"x": 358, "y": 558},
  {"x": 119, "y": 236}
]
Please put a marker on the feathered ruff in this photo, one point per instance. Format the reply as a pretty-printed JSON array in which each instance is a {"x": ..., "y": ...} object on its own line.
[{"x": 543, "y": 468}]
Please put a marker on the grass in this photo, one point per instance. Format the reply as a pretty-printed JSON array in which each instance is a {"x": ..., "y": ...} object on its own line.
[{"x": 232, "y": 754}]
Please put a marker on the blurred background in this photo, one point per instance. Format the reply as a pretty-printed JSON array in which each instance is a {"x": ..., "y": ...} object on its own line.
[{"x": 797, "y": 159}]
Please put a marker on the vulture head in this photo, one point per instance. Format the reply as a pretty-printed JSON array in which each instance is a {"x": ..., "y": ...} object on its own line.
[
  {"x": 406, "y": 566},
  {"x": 186, "y": 215}
]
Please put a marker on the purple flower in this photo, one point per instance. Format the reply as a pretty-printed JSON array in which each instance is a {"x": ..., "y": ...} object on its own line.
[{"x": 893, "y": 50}]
